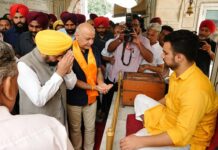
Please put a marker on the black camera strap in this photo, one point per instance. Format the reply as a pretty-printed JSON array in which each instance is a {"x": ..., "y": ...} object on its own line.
[{"x": 123, "y": 53}]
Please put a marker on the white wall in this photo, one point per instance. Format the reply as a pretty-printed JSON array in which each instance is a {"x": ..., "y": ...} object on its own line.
[{"x": 173, "y": 13}]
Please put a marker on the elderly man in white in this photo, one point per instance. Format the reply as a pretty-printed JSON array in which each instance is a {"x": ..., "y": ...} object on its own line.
[{"x": 157, "y": 64}]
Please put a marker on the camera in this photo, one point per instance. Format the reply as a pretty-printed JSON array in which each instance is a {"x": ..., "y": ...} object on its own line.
[
  {"x": 129, "y": 30},
  {"x": 201, "y": 43}
]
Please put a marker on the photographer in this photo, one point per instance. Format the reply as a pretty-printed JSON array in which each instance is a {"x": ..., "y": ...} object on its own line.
[
  {"x": 206, "y": 52},
  {"x": 129, "y": 48}
]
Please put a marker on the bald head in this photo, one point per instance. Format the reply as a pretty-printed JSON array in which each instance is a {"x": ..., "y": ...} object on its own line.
[
  {"x": 85, "y": 28},
  {"x": 85, "y": 34}
]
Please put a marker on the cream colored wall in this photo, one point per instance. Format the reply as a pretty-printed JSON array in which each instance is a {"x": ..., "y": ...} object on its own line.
[
  {"x": 48, "y": 6},
  {"x": 173, "y": 13}
]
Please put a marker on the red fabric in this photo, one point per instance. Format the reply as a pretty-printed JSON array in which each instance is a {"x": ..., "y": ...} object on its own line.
[
  {"x": 101, "y": 21},
  {"x": 209, "y": 24},
  {"x": 132, "y": 125},
  {"x": 214, "y": 140},
  {"x": 52, "y": 17},
  {"x": 40, "y": 17},
  {"x": 66, "y": 16},
  {"x": 18, "y": 8},
  {"x": 99, "y": 131},
  {"x": 156, "y": 20},
  {"x": 80, "y": 18}
]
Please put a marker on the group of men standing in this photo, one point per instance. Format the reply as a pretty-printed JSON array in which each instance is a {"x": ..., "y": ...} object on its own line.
[
  {"x": 50, "y": 62},
  {"x": 60, "y": 75}
]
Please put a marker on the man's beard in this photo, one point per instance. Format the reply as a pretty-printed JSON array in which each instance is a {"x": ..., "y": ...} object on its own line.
[
  {"x": 173, "y": 65},
  {"x": 52, "y": 64},
  {"x": 21, "y": 27},
  {"x": 3, "y": 30},
  {"x": 33, "y": 34},
  {"x": 202, "y": 37},
  {"x": 101, "y": 33},
  {"x": 70, "y": 31}
]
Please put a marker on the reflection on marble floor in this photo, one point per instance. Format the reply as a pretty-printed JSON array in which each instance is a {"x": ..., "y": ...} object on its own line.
[{"x": 121, "y": 124}]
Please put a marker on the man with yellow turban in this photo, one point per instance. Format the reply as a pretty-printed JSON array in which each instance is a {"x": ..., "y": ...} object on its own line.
[
  {"x": 82, "y": 99},
  {"x": 44, "y": 75},
  {"x": 58, "y": 25}
]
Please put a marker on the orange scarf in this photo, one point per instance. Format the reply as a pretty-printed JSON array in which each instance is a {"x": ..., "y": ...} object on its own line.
[{"x": 89, "y": 69}]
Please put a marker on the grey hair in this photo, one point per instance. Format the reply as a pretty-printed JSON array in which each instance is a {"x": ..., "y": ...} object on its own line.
[
  {"x": 155, "y": 26},
  {"x": 8, "y": 65}
]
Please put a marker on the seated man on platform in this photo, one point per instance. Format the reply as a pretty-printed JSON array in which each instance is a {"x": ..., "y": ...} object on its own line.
[
  {"x": 185, "y": 117},
  {"x": 24, "y": 132}
]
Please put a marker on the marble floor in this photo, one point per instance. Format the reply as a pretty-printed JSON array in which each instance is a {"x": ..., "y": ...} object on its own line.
[{"x": 121, "y": 124}]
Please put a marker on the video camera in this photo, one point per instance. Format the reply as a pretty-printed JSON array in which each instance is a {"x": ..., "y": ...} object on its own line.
[{"x": 127, "y": 32}]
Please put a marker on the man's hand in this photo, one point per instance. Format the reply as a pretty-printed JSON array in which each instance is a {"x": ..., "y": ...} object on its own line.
[
  {"x": 103, "y": 88},
  {"x": 112, "y": 60},
  {"x": 131, "y": 142},
  {"x": 143, "y": 67},
  {"x": 206, "y": 46},
  {"x": 146, "y": 66},
  {"x": 136, "y": 39},
  {"x": 65, "y": 64},
  {"x": 142, "y": 117},
  {"x": 121, "y": 37}
]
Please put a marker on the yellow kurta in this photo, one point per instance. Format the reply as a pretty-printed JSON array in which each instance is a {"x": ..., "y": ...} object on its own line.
[{"x": 190, "y": 113}]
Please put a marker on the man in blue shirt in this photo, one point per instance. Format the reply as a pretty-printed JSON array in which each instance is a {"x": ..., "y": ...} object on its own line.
[{"x": 18, "y": 14}]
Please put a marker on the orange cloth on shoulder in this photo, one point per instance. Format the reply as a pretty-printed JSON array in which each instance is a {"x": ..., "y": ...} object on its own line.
[{"x": 90, "y": 69}]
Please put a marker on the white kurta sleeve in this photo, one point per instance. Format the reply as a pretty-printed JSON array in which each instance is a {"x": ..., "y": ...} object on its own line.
[
  {"x": 105, "y": 52},
  {"x": 30, "y": 84},
  {"x": 70, "y": 80}
]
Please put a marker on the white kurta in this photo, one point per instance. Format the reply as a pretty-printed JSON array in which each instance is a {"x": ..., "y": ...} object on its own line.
[
  {"x": 157, "y": 51},
  {"x": 41, "y": 94},
  {"x": 31, "y": 132}
]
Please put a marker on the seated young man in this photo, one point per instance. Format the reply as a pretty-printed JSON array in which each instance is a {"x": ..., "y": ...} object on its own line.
[
  {"x": 24, "y": 132},
  {"x": 185, "y": 117}
]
